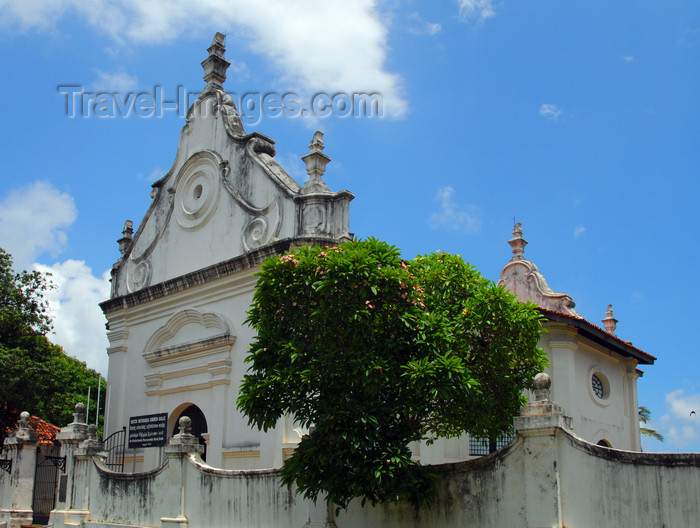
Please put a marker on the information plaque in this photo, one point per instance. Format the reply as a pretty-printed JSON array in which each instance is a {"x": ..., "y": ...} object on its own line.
[{"x": 150, "y": 430}]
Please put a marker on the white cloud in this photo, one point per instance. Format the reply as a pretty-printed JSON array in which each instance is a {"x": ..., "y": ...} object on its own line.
[
  {"x": 433, "y": 28},
  {"x": 155, "y": 175},
  {"x": 114, "y": 82},
  {"x": 550, "y": 111},
  {"x": 419, "y": 26},
  {"x": 628, "y": 58},
  {"x": 480, "y": 8},
  {"x": 678, "y": 425},
  {"x": 452, "y": 218},
  {"x": 34, "y": 219},
  {"x": 579, "y": 231},
  {"x": 317, "y": 45},
  {"x": 79, "y": 325}
]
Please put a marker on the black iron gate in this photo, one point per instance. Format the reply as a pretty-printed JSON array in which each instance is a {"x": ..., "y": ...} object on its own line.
[
  {"x": 114, "y": 445},
  {"x": 45, "y": 478}
]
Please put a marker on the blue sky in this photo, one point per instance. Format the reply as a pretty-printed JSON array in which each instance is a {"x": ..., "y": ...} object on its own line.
[{"x": 578, "y": 119}]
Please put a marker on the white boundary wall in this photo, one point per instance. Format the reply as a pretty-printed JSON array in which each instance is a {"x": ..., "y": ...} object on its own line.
[{"x": 546, "y": 478}]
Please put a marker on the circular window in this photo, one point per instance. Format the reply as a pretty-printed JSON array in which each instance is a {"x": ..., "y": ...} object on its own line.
[{"x": 599, "y": 386}]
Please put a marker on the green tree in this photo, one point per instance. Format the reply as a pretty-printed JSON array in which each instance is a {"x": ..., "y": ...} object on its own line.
[
  {"x": 645, "y": 418},
  {"x": 35, "y": 375},
  {"x": 373, "y": 352}
]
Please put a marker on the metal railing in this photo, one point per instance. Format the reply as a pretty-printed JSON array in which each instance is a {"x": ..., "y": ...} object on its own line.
[
  {"x": 114, "y": 444},
  {"x": 486, "y": 446}
]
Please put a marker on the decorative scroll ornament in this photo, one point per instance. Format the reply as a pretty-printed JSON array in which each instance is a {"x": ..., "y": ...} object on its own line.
[
  {"x": 6, "y": 464},
  {"x": 256, "y": 233},
  {"x": 138, "y": 275},
  {"x": 59, "y": 462}
]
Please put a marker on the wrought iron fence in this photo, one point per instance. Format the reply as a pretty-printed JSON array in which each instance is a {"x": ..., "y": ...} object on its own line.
[
  {"x": 48, "y": 464},
  {"x": 114, "y": 444}
]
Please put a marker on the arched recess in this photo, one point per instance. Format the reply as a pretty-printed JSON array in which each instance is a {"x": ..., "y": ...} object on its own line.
[
  {"x": 199, "y": 423},
  {"x": 604, "y": 443},
  {"x": 212, "y": 326}
]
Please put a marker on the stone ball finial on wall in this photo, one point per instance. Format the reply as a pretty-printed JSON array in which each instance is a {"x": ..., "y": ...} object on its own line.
[
  {"x": 24, "y": 435},
  {"x": 23, "y": 420},
  {"x": 543, "y": 382},
  {"x": 79, "y": 414},
  {"x": 185, "y": 423}
]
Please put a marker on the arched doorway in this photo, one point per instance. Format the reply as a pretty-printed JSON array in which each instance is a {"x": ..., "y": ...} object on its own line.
[{"x": 199, "y": 425}]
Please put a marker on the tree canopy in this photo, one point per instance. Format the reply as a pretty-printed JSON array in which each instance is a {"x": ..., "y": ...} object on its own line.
[
  {"x": 372, "y": 352},
  {"x": 35, "y": 375}
]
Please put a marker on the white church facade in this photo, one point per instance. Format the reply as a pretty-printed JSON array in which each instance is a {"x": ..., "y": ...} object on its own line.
[{"x": 185, "y": 278}]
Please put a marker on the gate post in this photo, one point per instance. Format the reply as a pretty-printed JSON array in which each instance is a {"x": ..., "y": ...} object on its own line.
[
  {"x": 82, "y": 471},
  {"x": 177, "y": 450},
  {"x": 70, "y": 437},
  {"x": 17, "y": 494}
]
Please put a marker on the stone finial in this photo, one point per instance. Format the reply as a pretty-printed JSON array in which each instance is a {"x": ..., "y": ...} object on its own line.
[
  {"x": 92, "y": 432},
  {"x": 610, "y": 322},
  {"x": 542, "y": 384},
  {"x": 183, "y": 442},
  {"x": 91, "y": 445},
  {"x": 517, "y": 243},
  {"x": 316, "y": 162},
  {"x": 79, "y": 414},
  {"x": 76, "y": 431},
  {"x": 522, "y": 278},
  {"x": 127, "y": 236},
  {"x": 24, "y": 435},
  {"x": 215, "y": 65},
  {"x": 542, "y": 413},
  {"x": 23, "y": 422},
  {"x": 185, "y": 423}
]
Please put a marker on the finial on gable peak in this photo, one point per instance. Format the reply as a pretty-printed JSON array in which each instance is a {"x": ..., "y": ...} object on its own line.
[
  {"x": 517, "y": 243},
  {"x": 610, "y": 322},
  {"x": 518, "y": 229},
  {"x": 522, "y": 278},
  {"x": 215, "y": 65}
]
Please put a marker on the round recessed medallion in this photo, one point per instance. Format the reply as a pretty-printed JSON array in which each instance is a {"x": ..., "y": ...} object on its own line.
[{"x": 197, "y": 192}]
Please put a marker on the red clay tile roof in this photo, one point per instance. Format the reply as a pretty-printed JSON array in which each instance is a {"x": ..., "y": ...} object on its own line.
[
  {"x": 45, "y": 430},
  {"x": 597, "y": 334}
]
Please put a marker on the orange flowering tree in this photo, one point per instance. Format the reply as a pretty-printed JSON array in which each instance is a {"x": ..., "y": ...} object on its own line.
[{"x": 372, "y": 352}]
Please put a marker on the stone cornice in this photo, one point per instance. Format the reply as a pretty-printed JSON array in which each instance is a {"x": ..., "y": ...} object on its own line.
[{"x": 210, "y": 273}]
